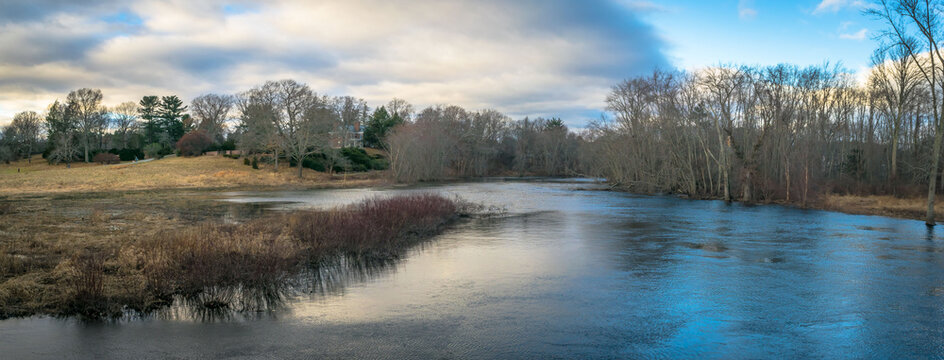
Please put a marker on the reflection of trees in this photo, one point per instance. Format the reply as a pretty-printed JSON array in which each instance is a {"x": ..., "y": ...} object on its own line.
[
  {"x": 328, "y": 277},
  {"x": 331, "y": 277}
]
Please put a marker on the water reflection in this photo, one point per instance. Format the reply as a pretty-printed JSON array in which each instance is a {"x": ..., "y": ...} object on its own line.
[{"x": 568, "y": 273}]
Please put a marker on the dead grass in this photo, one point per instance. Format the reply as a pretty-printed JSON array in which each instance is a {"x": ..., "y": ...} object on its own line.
[
  {"x": 101, "y": 254},
  {"x": 169, "y": 173},
  {"x": 50, "y": 246},
  {"x": 884, "y": 205}
]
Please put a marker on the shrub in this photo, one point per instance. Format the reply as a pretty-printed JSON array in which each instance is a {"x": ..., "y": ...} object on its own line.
[
  {"x": 154, "y": 150},
  {"x": 194, "y": 143},
  {"x": 255, "y": 163},
  {"x": 375, "y": 226},
  {"x": 229, "y": 144},
  {"x": 314, "y": 164},
  {"x": 88, "y": 284},
  {"x": 379, "y": 164},
  {"x": 246, "y": 162},
  {"x": 212, "y": 255},
  {"x": 106, "y": 158},
  {"x": 128, "y": 154}
]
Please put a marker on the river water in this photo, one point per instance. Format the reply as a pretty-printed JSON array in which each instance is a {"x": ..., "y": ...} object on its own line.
[{"x": 573, "y": 271}]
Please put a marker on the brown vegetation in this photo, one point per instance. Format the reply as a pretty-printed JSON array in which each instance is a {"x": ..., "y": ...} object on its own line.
[
  {"x": 106, "y": 159},
  {"x": 883, "y": 205},
  {"x": 194, "y": 143},
  {"x": 99, "y": 257},
  {"x": 169, "y": 173}
]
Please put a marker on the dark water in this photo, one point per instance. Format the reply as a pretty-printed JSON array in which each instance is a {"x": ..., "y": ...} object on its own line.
[{"x": 576, "y": 273}]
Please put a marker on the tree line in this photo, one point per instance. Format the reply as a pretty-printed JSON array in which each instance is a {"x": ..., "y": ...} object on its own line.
[
  {"x": 753, "y": 133},
  {"x": 784, "y": 133}
]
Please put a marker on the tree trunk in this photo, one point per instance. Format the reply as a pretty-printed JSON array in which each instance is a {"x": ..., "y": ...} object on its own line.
[
  {"x": 894, "y": 173},
  {"x": 747, "y": 197},
  {"x": 300, "y": 167},
  {"x": 806, "y": 184},
  {"x": 932, "y": 183},
  {"x": 787, "y": 169}
]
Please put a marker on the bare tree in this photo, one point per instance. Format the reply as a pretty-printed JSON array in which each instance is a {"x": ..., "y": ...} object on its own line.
[
  {"x": 401, "y": 108},
  {"x": 25, "y": 129},
  {"x": 906, "y": 21},
  {"x": 86, "y": 106},
  {"x": 896, "y": 82},
  {"x": 211, "y": 112},
  {"x": 62, "y": 129},
  {"x": 125, "y": 120},
  {"x": 352, "y": 113},
  {"x": 256, "y": 130},
  {"x": 301, "y": 120}
]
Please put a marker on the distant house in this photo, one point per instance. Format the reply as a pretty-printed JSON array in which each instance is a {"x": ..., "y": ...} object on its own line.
[{"x": 349, "y": 135}]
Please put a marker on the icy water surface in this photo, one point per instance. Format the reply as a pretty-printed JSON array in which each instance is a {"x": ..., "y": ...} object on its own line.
[{"x": 573, "y": 272}]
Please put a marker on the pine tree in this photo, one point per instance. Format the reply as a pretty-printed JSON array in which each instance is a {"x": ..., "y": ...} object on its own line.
[
  {"x": 171, "y": 113},
  {"x": 148, "y": 111}
]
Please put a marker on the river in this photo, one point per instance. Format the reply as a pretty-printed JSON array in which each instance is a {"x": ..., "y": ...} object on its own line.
[{"x": 572, "y": 271}]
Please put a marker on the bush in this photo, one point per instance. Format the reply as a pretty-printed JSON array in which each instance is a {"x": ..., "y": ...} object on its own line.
[
  {"x": 265, "y": 252},
  {"x": 106, "y": 158},
  {"x": 88, "y": 285},
  {"x": 154, "y": 150},
  {"x": 356, "y": 155},
  {"x": 194, "y": 143},
  {"x": 228, "y": 145},
  {"x": 379, "y": 164},
  {"x": 376, "y": 227},
  {"x": 255, "y": 163},
  {"x": 246, "y": 162},
  {"x": 128, "y": 154},
  {"x": 314, "y": 164}
]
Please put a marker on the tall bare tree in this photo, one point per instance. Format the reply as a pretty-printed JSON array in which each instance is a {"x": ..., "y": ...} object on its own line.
[
  {"x": 907, "y": 21},
  {"x": 125, "y": 119},
  {"x": 401, "y": 108},
  {"x": 895, "y": 80},
  {"x": 25, "y": 129},
  {"x": 87, "y": 108},
  {"x": 211, "y": 112}
]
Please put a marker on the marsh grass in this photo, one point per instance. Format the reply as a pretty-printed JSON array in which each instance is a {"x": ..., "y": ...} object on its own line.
[
  {"x": 374, "y": 227},
  {"x": 88, "y": 284},
  {"x": 236, "y": 267},
  {"x": 203, "y": 172}
]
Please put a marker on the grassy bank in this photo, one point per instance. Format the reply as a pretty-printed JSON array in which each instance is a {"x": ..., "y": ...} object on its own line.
[
  {"x": 883, "y": 205},
  {"x": 102, "y": 255},
  {"x": 170, "y": 173}
]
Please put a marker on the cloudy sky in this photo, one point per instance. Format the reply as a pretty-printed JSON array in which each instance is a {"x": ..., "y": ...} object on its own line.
[{"x": 524, "y": 57}]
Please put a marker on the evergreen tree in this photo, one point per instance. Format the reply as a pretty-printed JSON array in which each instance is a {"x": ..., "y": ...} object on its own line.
[
  {"x": 171, "y": 113},
  {"x": 378, "y": 126},
  {"x": 148, "y": 111}
]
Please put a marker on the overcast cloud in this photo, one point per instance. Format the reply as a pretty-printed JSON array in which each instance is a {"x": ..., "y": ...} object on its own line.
[{"x": 538, "y": 57}]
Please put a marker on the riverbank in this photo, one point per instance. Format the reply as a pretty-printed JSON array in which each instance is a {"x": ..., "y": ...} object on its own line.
[
  {"x": 881, "y": 205},
  {"x": 203, "y": 172},
  {"x": 102, "y": 254},
  {"x": 911, "y": 208}
]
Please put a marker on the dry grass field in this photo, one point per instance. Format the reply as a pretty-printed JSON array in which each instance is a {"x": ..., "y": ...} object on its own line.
[
  {"x": 884, "y": 205},
  {"x": 169, "y": 173}
]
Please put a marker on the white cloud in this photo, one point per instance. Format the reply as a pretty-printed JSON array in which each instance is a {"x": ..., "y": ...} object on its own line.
[
  {"x": 746, "y": 10},
  {"x": 858, "y": 35},
  {"x": 522, "y": 58},
  {"x": 826, "y": 6}
]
